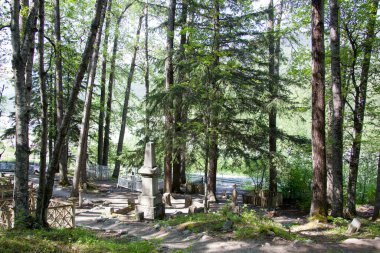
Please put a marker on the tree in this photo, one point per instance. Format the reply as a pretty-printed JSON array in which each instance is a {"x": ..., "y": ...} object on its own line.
[
  {"x": 59, "y": 90},
  {"x": 111, "y": 81},
  {"x": 126, "y": 101},
  {"x": 335, "y": 178},
  {"x": 44, "y": 105},
  {"x": 377, "y": 200},
  {"x": 146, "y": 76},
  {"x": 22, "y": 39},
  {"x": 63, "y": 129},
  {"x": 169, "y": 80},
  {"x": 359, "y": 110},
  {"x": 274, "y": 77},
  {"x": 103, "y": 85},
  {"x": 318, "y": 202},
  {"x": 80, "y": 168},
  {"x": 180, "y": 111}
]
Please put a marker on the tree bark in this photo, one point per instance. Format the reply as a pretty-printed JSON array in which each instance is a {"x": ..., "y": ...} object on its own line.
[
  {"x": 169, "y": 81},
  {"x": 337, "y": 114},
  {"x": 126, "y": 102},
  {"x": 80, "y": 168},
  {"x": 318, "y": 203},
  {"x": 22, "y": 42},
  {"x": 146, "y": 76},
  {"x": 62, "y": 132},
  {"x": 377, "y": 200},
  {"x": 213, "y": 131},
  {"x": 360, "y": 103},
  {"x": 111, "y": 81},
  {"x": 103, "y": 84},
  {"x": 59, "y": 88},
  {"x": 272, "y": 110},
  {"x": 180, "y": 143},
  {"x": 44, "y": 114}
]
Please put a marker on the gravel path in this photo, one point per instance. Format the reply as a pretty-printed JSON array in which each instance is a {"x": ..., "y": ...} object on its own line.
[{"x": 93, "y": 215}]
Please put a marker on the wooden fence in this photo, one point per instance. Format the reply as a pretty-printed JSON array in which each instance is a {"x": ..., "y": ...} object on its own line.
[{"x": 60, "y": 213}]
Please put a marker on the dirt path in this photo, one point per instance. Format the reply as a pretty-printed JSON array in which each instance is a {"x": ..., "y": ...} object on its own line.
[{"x": 94, "y": 215}]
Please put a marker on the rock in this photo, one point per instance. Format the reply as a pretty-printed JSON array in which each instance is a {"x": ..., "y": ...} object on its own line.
[
  {"x": 196, "y": 207},
  {"x": 108, "y": 211},
  {"x": 267, "y": 244},
  {"x": 101, "y": 219},
  {"x": 166, "y": 199},
  {"x": 272, "y": 214},
  {"x": 308, "y": 241},
  {"x": 224, "y": 195},
  {"x": 106, "y": 203},
  {"x": 354, "y": 226},
  {"x": 188, "y": 201},
  {"x": 353, "y": 241},
  {"x": 205, "y": 238},
  {"x": 157, "y": 226},
  {"x": 140, "y": 216},
  {"x": 186, "y": 232},
  {"x": 228, "y": 225},
  {"x": 296, "y": 243},
  {"x": 122, "y": 232},
  {"x": 271, "y": 233}
]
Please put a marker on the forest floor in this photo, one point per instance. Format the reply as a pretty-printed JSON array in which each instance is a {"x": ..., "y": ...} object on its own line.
[{"x": 105, "y": 209}]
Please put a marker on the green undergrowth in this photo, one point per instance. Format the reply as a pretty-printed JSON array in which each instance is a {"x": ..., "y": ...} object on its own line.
[
  {"x": 248, "y": 224},
  {"x": 70, "y": 240},
  {"x": 335, "y": 229}
]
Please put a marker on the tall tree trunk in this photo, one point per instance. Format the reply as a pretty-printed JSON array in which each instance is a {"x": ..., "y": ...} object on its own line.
[
  {"x": 329, "y": 156},
  {"x": 360, "y": 103},
  {"x": 59, "y": 88},
  {"x": 180, "y": 142},
  {"x": 103, "y": 84},
  {"x": 63, "y": 129},
  {"x": 22, "y": 42},
  {"x": 169, "y": 81},
  {"x": 44, "y": 114},
  {"x": 111, "y": 81},
  {"x": 213, "y": 131},
  {"x": 337, "y": 114},
  {"x": 52, "y": 116},
  {"x": 146, "y": 76},
  {"x": 377, "y": 200},
  {"x": 318, "y": 203},
  {"x": 272, "y": 110},
  {"x": 126, "y": 102},
  {"x": 80, "y": 168}
]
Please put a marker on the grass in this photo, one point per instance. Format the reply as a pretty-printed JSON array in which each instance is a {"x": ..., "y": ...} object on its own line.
[
  {"x": 335, "y": 229},
  {"x": 70, "y": 240},
  {"x": 248, "y": 224}
]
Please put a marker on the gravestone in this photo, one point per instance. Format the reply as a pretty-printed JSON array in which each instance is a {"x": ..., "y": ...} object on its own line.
[{"x": 150, "y": 199}]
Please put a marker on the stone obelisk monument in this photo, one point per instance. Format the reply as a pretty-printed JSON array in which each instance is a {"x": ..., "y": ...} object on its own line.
[{"x": 150, "y": 200}]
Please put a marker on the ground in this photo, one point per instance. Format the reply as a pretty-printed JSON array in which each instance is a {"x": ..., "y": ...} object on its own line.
[{"x": 314, "y": 237}]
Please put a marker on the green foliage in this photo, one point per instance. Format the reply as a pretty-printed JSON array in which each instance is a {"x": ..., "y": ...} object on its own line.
[
  {"x": 69, "y": 240},
  {"x": 248, "y": 224},
  {"x": 295, "y": 179}
]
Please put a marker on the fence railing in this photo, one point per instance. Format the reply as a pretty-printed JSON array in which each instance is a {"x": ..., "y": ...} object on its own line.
[
  {"x": 60, "y": 214},
  {"x": 130, "y": 182},
  {"x": 98, "y": 172}
]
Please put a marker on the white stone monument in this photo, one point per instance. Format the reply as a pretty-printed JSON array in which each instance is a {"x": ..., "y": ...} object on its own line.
[{"x": 150, "y": 199}]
